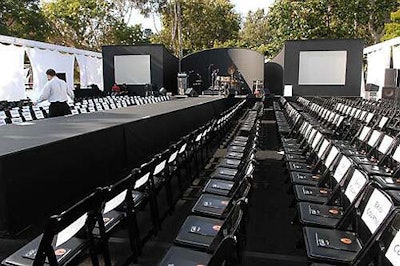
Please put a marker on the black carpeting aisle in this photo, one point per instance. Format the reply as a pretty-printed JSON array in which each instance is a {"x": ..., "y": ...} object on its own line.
[{"x": 271, "y": 238}]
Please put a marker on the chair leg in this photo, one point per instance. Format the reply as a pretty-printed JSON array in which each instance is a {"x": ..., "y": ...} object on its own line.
[
  {"x": 154, "y": 214},
  {"x": 134, "y": 236}
]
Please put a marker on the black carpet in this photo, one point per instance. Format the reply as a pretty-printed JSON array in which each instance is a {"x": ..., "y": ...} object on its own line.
[{"x": 271, "y": 238}]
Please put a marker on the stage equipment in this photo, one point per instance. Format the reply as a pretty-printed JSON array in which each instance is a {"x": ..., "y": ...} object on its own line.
[
  {"x": 190, "y": 92},
  {"x": 182, "y": 83}
]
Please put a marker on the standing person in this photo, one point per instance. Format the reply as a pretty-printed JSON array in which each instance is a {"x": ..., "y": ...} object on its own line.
[{"x": 56, "y": 92}]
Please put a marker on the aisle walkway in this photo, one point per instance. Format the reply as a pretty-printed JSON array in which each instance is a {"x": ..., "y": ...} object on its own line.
[{"x": 271, "y": 239}]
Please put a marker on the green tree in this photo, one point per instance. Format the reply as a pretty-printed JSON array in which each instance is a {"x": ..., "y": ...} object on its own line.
[
  {"x": 392, "y": 29},
  {"x": 255, "y": 33},
  {"x": 204, "y": 24},
  {"x": 294, "y": 20},
  {"x": 23, "y": 19},
  {"x": 90, "y": 24}
]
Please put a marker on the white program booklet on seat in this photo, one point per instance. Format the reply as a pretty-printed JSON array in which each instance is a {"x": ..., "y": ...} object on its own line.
[
  {"x": 393, "y": 252},
  {"x": 378, "y": 207}
]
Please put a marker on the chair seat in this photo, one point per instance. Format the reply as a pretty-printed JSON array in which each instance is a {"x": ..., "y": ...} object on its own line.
[
  {"x": 300, "y": 167},
  {"x": 27, "y": 253},
  {"x": 295, "y": 158},
  {"x": 138, "y": 197},
  {"x": 212, "y": 205},
  {"x": 241, "y": 138},
  {"x": 387, "y": 182},
  {"x": 395, "y": 195},
  {"x": 236, "y": 148},
  {"x": 158, "y": 181},
  {"x": 234, "y": 155},
  {"x": 312, "y": 194},
  {"x": 361, "y": 160},
  {"x": 376, "y": 170},
  {"x": 313, "y": 214},
  {"x": 230, "y": 163},
  {"x": 198, "y": 232},
  {"x": 224, "y": 173},
  {"x": 331, "y": 245},
  {"x": 289, "y": 141},
  {"x": 291, "y": 145},
  {"x": 219, "y": 187},
  {"x": 306, "y": 179},
  {"x": 111, "y": 220},
  {"x": 350, "y": 152},
  {"x": 183, "y": 256},
  {"x": 239, "y": 143},
  {"x": 293, "y": 150}
]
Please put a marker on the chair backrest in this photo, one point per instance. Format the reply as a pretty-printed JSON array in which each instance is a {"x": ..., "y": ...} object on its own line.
[
  {"x": 117, "y": 193},
  {"x": 64, "y": 226},
  {"x": 142, "y": 175},
  {"x": 224, "y": 251}
]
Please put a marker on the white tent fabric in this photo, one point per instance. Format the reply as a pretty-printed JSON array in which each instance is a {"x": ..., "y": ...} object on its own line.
[
  {"x": 12, "y": 83},
  {"x": 41, "y": 60},
  {"x": 91, "y": 70},
  {"x": 396, "y": 57},
  {"x": 378, "y": 61}
]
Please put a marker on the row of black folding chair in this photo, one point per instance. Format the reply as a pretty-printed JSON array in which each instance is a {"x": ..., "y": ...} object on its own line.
[{"x": 218, "y": 213}]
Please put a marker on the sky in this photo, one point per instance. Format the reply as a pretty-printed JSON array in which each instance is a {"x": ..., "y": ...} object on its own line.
[{"x": 241, "y": 6}]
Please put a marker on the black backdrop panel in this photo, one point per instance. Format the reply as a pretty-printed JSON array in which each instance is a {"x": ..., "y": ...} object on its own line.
[
  {"x": 249, "y": 63},
  {"x": 354, "y": 50},
  {"x": 53, "y": 163},
  {"x": 163, "y": 66}
]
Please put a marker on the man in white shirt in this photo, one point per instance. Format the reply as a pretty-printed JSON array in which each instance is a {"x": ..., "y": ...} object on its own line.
[{"x": 56, "y": 92}]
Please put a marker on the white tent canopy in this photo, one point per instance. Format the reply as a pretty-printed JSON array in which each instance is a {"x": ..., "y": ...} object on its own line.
[
  {"x": 378, "y": 59},
  {"x": 42, "y": 57}
]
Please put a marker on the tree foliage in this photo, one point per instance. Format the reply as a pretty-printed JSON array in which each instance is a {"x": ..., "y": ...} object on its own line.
[
  {"x": 91, "y": 23},
  {"x": 205, "y": 23},
  {"x": 23, "y": 19}
]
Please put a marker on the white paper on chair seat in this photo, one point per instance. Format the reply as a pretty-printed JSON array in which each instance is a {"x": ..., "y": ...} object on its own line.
[
  {"x": 115, "y": 202},
  {"x": 331, "y": 156},
  {"x": 364, "y": 133},
  {"x": 357, "y": 181},
  {"x": 342, "y": 169},
  {"x": 71, "y": 230},
  {"x": 378, "y": 207},
  {"x": 387, "y": 141},
  {"x": 383, "y": 121},
  {"x": 141, "y": 181},
  {"x": 393, "y": 252},
  {"x": 374, "y": 138}
]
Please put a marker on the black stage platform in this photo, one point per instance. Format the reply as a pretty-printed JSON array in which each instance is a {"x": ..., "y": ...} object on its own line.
[{"x": 52, "y": 163}]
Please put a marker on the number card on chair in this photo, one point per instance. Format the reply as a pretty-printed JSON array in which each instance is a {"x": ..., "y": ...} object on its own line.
[
  {"x": 331, "y": 156},
  {"x": 357, "y": 182},
  {"x": 71, "y": 230},
  {"x": 393, "y": 252},
  {"x": 378, "y": 207},
  {"x": 2, "y": 122},
  {"x": 374, "y": 138},
  {"x": 364, "y": 133},
  {"x": 39, "y": 114}
]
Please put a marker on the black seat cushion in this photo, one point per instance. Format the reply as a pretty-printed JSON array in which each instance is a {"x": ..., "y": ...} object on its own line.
[
  {"x": 300, "y": 167},
  {"x": 236, "y": 148},
  {"x": 387, "y": 182},
  {"x": 230, "y": 163},
  {"x": 198, "y": 232},
  {"x": 212, "y": 205},
  {"x": 307, "y": 179},
  {"x": 361, "y": 160},
  {"x": 26, "y": 254},
  {"x": 376, "y": 170},
  {"x": 224, "y": 173},
  {"x": 312, "y": 194},
  {"x": 138, "y": 197},
  {"x": 319, "y": 215},
  {"x": 295, "y": 158},
  {"x": 219, "y": 187},
  {"x": 343, "y": 245},
  {"x": 182, "y": 256}
]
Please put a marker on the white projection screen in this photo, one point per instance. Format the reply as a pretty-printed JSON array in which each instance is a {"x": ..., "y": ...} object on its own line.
[
  {"x": 132, "y": 69},
  {"x": 322, "y": 67}
]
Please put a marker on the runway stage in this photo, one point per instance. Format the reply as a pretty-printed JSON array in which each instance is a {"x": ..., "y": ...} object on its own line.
[{"x": 46, "y": 166}]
